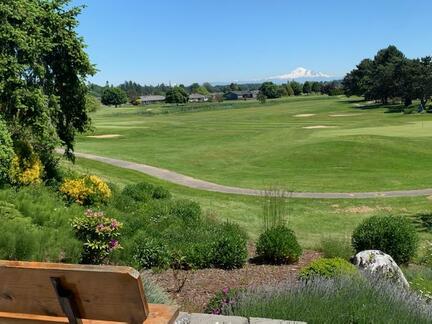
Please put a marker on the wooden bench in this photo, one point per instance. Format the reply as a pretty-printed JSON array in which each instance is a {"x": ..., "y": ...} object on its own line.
[{"x": 33, "y": 292}]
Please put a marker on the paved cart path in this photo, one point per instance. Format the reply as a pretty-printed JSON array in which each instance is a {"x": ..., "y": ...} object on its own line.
[{"x": 191, "y": 182}]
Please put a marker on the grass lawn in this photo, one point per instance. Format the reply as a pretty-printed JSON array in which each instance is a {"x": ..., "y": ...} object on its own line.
[
  {"x": 311, "y": 219},
  {"x": 248, "y": 144}
]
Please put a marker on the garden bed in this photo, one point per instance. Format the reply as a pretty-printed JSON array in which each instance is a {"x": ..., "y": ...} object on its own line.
[{"x": 201, "y": 285}]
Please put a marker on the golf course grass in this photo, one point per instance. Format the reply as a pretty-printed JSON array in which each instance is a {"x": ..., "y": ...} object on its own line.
[{"x": 308, "y": 143}]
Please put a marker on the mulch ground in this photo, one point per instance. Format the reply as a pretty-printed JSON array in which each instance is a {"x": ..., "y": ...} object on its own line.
[{"x": 201, "y": 285}]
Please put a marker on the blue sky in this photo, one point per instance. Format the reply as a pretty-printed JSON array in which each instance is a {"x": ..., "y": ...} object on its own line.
[{"x": 183, "y": 41}]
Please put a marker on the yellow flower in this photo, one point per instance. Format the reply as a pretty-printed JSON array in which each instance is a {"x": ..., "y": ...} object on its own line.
[
  {"x": 86, "y": 190},
  {"x": 25, "y": 172}
]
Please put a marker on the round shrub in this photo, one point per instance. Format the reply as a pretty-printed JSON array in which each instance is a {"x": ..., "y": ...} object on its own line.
[
  {"x": 328, "y": 268},
  {"x": 139, "y": 192},
  {"x": 394, "y": 235},
  {"x": 148, "y": 252},
  {"x": 187, "y": 210},
  {"x": 160, "y": 192},
  {"x": 144, "y": 191},
  {"x": 229, "y": 247},
  {"x": 6, "y": 151},
  {"x": 278, "y": 245}
]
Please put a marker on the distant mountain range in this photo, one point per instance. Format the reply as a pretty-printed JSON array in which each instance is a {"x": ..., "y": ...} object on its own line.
[{"x": 299, "y": 74}]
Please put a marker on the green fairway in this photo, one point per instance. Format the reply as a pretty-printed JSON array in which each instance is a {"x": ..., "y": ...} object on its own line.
[{"x": 309, "y": 143}]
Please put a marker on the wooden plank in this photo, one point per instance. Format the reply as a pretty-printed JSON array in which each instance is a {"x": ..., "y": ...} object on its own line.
[
  {"x": 102, "y": 292},
  {"x": 159, "y": 314},
  {"x": 16, "y": 318},
  {"x": 162, "y": 314}
]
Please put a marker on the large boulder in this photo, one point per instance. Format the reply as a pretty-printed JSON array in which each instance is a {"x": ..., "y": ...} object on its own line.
[{"x": 377, "y": 262}]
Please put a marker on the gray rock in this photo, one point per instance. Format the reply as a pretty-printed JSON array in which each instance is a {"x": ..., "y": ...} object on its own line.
[
  {"x": 183, "y": 318},
  {"x": 377, "y": 262},
  {"x": 217, "y": 319}
]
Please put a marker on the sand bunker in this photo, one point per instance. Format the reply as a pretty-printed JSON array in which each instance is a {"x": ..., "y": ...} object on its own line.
[
  {"x": 105, "y": 136},
  {"x": 343, "y": 115},
  {"x": 318, "y": 126},
  {"x": 304, "y": 115}
]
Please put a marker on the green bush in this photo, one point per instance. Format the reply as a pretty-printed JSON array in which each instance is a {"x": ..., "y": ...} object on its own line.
[
  {"x": 148, "y": 252},
  {"x": 333, "y": 247},
  {"x": 278, "y": 245},
  {"x": 394, "y": 235},
  {"x": 160, "y": 192},
  {"x": 229, "y": 247},
  {"x": 187, "y": 210},
  {"x": 6, "y": 152},
  {"x": 144, "y": 192},
  {"x": 327, "y": 268}
]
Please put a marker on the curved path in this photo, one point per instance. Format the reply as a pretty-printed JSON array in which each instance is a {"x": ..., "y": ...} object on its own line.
[{"x": 190, "y": 182}]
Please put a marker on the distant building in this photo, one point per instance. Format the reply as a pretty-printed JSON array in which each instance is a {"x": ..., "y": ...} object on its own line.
[
  {"x": 197, "y": 97},
  {"x": 241, "y": 95},
  {"x": 145, "y": 100}
]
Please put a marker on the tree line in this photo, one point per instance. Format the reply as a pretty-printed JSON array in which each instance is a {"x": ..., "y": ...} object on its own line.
[
  {"x": 390, "y": 75},
  {"x": 130, "y": 91}
]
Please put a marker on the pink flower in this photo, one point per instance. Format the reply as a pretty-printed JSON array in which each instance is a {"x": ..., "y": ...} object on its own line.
[
  {"x": 225, "y": 290},
  {"x": 113, "y": 244}
]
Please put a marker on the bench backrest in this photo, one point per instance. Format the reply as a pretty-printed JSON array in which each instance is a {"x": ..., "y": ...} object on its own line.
[{"x": 104, "y": 293}]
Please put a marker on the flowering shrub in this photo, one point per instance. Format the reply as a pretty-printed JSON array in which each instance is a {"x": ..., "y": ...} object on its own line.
[
  {"x": 226, "y": 297},
  {"x": 24, "y": 172},
  {"x": 86, "y": 191},
  {"x": 100, "y": 235}
]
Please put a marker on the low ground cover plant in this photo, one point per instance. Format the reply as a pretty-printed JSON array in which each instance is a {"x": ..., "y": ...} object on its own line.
[
  {"x": 337, "y": 300},
  {"x": 278, "y": 245},
  {"x": 37, "y": 226},
  {"x": 394, "y": 235},
  {"x": 327, "y": 268}
]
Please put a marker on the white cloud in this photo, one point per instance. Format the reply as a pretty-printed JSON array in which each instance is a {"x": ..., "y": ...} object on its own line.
[{"x": 298, "y": 73}]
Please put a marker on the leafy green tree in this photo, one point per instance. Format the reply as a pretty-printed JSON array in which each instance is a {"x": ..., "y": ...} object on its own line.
[
  {"x": 297, "y": 88},
  {"x": 261, "y": 98},
  {"x": 282, "y": 90},
  {"x": 114, "y": 96},
  {"x": 92, "y": 103},
  {"x": 307, "y": 88},
  {"x": 358, "y": 82},
  {"x": 209, "y": 87},
  {"x": 270, "y": 90},
  {"x": 316, "y": 87},
  {"x": 42, "y": 75},
  {"x": 196, "y": 88},
  {"x": 177, "y": 95},
  {"x": 289, "y": 89},
  {"x": 234, "y": 87}
]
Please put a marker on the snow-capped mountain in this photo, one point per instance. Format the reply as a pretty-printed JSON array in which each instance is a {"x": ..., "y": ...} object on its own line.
[{"x": 300, "y": 73}]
